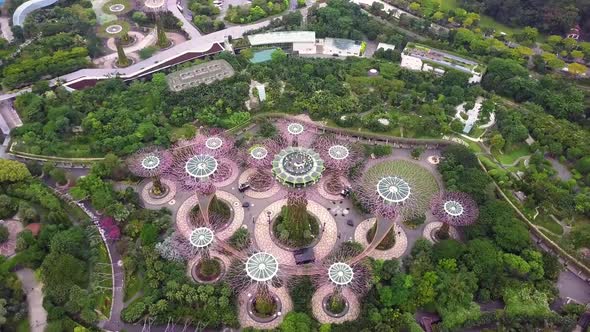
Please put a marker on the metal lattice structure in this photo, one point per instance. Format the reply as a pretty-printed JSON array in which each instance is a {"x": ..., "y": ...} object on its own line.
[
  {"x": 150, "y": 162},
  {"x": 214, "y": 142},
  {"x": 454, "y": 209},
  {"x": 396, "y": 188},
  {"x": 259, "y": 157},
  {"x": 338, "y": 156},
  {"x": 337, "y": 271},
  {"x": 297, "y": 166},
  {"x": 195, "y": 170},
  {"x": 296, "y": 133},
  {"x": 261, "y": 269}
]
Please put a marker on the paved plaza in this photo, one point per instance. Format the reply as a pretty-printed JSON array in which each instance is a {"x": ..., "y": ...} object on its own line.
[
  {"x": 401, "y": 241},
  {"x": 434, "y": 226}
]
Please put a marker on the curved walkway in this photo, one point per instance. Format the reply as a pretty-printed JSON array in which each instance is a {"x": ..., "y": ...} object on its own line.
[
  {"x": 34, "y": 291},
  {"x": 20, "y": 14},
  {"x": 147, "y": 198},
  {"x": 428, "y": 232},
  {"x": 401, "y": 240}
]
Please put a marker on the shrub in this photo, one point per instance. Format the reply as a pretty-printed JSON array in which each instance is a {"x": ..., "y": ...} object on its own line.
[
  {"x": 133, "y": 312},
  {"x": 264, "y": 306},
  {"x": 147, "y": 52},
  {"x": 240, "y": 239},
  {"x": 3, "y": 234},
  {"x": 7, "y": 207}
]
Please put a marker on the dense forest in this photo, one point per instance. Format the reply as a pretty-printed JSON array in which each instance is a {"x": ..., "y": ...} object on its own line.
[{"x": 551, "y": 16}]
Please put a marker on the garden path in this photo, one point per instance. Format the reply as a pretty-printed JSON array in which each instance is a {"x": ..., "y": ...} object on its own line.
[{"x": 33, "y": 288}]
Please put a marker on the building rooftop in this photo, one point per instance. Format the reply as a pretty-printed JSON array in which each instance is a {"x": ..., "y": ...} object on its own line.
[
  {"x": 349, "y": 45},
  {"x": 282, "y": 37},
  {"x": 443, "y": 58},
  {"x": 205, "y": 73}
]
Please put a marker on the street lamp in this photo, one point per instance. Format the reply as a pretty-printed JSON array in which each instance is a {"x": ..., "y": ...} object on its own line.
[{"x": 268, "y": 213}]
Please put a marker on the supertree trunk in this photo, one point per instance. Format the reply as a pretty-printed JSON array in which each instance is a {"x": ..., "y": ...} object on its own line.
[
  {"x": 122, "y": 60},
  {"x": 162, "y": 38},
  {"x": 295, "y": 213},
  {"x": 443, "y": 232},
  {"x": 157, "y": 188}
]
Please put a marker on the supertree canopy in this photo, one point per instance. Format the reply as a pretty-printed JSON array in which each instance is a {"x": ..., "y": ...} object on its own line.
[
  {"x": 214, "y": 142},
  {"x": 296, "y": 133},
  {"x": 297, "y": 166},
  {"x": 151, "y": 162},
  {"x": 260, "y": 269},
  {"x": 397, "y": 188},
  {"x": 454, "y": 209},
  {"x": 341, "y": 271},
  {"x": 338, "y": 157},
  {"x": 259, "y": 157},
  {"x": 196, "y": 166}
]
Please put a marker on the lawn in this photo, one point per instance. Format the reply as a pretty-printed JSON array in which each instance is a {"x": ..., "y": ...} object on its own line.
[
  {"x": 512, "y": 153},
  {"x": 134, "y": 285},
  {"x": 448, "y": 4},
  {"x": 544, "y": 220},
  {"x": 488, "y": 22}
]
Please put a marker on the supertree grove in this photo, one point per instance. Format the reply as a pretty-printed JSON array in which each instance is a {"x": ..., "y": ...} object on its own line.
[
  {"x": 338, "y": 157},
  {"x": 151, "y": 162},
  {"x": 453, "y": 209}
]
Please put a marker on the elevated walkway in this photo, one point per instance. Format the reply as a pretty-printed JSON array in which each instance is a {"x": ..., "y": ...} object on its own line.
[{"x": 20, "y": 14}]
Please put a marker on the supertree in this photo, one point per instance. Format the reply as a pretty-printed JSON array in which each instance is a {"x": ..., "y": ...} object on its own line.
[
  {"x": 338, "y": 157},
  {"x": 294, "y": 225},
  {"x": 260, "y": 157},
  {"x": 156, "y": 7},
  {"x": 342, "y": 273},
  {"x": 296, "y": 133},
  {"x": 151, "y": 162},
  {"x": 453, "y": 209},
  {"x": 396, "y": 188},
  {"x": 260, "y": 271}
]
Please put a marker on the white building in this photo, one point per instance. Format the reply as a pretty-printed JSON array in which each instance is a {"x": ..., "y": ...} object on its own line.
[
  {"x": 305, "y": 42},
  {"x": 423, "y": 58},
  {"x": 385, "y": 46}
]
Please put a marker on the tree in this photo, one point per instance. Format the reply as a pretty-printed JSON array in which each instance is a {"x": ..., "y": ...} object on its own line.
[
  {"x": 3, "y": 312},
  {"x": 162, "y": 38},
  {"x": 13, "y": 171},
  {"x": 122, "y": 60},
  {"x": 497, "y": 142},
  {"x": 576, "y": 69},
  {"x": 278, "y": 55},
  {"x": 296, "y": 322},
  {"x": 3, "y": 234}
]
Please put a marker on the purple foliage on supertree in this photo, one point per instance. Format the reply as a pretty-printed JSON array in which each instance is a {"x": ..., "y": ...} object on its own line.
[
  {"x": 338, "y": 156},
  {"x": 150, "y": 162},
  {"x": 454, "y": 209},
  {"x": 182, "y": 155},
  {"x": 296, "y": 133},
  {"x": 375, "y": 204},
  {"x": 214, "y": 142},
  {"x": 362, "y": 275},
  {"x": 261, "y": 155},
  {"x": 110, "y": 228}
]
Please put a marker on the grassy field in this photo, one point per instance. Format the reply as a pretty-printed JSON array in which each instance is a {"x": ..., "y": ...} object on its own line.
[
  {"x": 512, "y": 153},
  {"x": 545, "y": 221},
  {"x": 448, "y": 4}
]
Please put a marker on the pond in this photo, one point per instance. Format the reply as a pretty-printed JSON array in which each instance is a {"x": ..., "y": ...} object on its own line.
[{"x": 260, "y": 56}]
